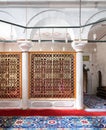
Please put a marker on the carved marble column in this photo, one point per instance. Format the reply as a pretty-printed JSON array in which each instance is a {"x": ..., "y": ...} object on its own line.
[
  {"x": 79, "y": 73},
  {"x": 25, "y": 46}
]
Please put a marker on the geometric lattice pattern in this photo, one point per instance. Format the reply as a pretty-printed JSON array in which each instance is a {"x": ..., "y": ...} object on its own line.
[
  {"x": 52, "y": 75},
  {"x": 10, "y": 75}
]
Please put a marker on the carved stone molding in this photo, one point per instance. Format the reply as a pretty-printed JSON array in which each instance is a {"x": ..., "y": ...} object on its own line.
[
  {"x": 25, "y": 45},
  {"x": 79, "y": 45}
]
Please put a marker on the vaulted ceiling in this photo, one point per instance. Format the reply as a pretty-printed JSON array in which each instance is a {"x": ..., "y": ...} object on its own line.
[{"x": 97, "y": 32}]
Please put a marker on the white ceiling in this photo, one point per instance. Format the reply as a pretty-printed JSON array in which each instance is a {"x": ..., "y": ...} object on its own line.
[
  {"x": 99, "y": 30},
  {"x": 54, "y": 3}
]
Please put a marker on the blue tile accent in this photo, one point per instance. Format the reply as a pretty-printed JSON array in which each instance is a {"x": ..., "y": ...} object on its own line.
[{"x": 54, "y": 122}]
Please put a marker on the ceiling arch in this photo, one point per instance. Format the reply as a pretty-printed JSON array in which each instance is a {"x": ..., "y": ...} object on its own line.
[
  {"x": 98, "y": 31},
  {"x": 96, "y": 17},
  {"x": 52, "y": 33},
  {"x": 50, "y": 18}
]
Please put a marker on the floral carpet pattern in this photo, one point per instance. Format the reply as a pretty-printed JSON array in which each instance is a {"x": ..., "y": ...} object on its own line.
[
  {"x": 94, "y": 102},
  {"x": 53, "y": 122}
]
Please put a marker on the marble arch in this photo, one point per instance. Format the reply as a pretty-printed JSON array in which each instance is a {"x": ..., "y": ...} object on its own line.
[
  {"x": 94, "y": 18},
  {"x": 46, "y": 17}
]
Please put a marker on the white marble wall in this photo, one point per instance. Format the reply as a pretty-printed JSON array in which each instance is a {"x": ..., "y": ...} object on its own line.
[
  {"x": 101, "y": 61},
  {"x": 91, "y": 51},
  {"x": 97, "y": 62},
  {"x": 47, "y": 16}
]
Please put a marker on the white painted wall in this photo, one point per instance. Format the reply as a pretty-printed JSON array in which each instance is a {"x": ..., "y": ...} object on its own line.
[
  {"x": 97, "y": 62},
  {"x": 101, "y": 60},
  {"x": 91, "y": 51}
]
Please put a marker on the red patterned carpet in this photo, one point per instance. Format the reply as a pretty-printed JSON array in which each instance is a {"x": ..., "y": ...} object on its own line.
[{"x": 50, "y": 112}]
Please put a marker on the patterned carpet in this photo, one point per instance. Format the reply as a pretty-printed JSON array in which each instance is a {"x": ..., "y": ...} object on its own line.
[
  {"x": 53, "y": 123},
  {"x": 94, "y": 102},
  {"x": 59, "y": 122}
]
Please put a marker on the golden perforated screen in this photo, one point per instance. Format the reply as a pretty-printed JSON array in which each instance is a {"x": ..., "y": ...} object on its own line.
[
  {"x": 52, "y": 75},
  {"x": 10, "y": 75}
]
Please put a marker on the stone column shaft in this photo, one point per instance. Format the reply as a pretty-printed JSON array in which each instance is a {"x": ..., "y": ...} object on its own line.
[
  {"x": 24, "y": 80},
  {"x": 79, "y": 81},
  {"x": 25, "y": 46},
  {"x": 78, "y": 46}
]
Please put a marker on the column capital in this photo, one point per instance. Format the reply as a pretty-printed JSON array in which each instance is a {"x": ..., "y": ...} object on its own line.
[
  {"x": 25, "y": 45},
  {"x": 79, "y": 45}
]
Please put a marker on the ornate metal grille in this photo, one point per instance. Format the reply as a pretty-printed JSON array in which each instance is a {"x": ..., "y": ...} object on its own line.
[
  {"x": 10, "y": 75},
  {"x": 52, "y": 75}
]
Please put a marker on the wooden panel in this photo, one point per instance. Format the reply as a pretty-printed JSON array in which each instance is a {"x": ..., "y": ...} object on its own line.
[
  {"x": 10, "y": 75},
  {"x": 52, "y": 75}
]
